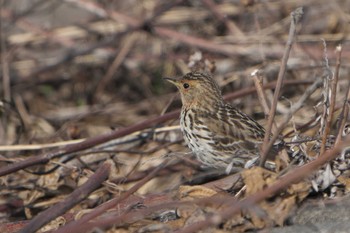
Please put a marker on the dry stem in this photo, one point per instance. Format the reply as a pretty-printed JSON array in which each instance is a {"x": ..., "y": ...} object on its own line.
[
  {"x": 296, "y": 16},
  {"x": 74, "y": 198},
  {"x": 295, "y": 175}
]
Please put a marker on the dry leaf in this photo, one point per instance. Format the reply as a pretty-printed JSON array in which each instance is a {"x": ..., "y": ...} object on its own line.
[
  {"x": 276, "y": 210},
  {"x": 345, "y": 181},
  {"x": 194, "y": 192}
]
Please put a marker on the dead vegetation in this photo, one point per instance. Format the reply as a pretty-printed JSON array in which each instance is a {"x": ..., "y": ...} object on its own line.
[{"x": 89, "y": 132}]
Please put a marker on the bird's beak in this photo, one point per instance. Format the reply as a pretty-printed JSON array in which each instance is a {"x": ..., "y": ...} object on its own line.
[{"x": 172, "y": 80}]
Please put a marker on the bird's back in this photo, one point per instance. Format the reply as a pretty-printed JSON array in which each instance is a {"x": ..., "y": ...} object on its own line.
[{"x": 221, "y": 136}]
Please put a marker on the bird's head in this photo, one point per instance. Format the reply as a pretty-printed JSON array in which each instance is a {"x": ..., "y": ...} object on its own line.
[{"x": 197, "y": 89}]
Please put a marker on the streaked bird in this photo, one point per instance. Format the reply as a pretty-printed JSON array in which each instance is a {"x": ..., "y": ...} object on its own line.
[{"x": 219, "y": 135}]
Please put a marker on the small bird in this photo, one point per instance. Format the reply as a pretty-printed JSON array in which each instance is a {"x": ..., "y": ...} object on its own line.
[{"x": 219, "y": 135}]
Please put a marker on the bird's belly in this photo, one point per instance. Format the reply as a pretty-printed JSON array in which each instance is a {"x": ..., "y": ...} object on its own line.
[
  {"x": 200, "y": 142},
  {"x": 207, "y": 151}
]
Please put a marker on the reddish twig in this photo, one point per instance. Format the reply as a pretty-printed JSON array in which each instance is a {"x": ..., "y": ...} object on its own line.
[
  {"x": 130, "y": 216},
  {"x": 74, "y": 198},
  {"x": 259, "y": 90},
  {"x": 293, "y": 109},
  {"x": 333, "y": 94},
  {"x": 296, "y": 16},
  {"x": 295, "y": 175},
  {"x": 233, "y": 206},
  {"x": 90, "y": 142},
  {"x": 77, "y": 226},
  {"x": 345, "y": 108}
]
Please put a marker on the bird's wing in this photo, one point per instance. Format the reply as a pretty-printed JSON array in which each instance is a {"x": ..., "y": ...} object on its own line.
[{"x": 232, "y": 128}]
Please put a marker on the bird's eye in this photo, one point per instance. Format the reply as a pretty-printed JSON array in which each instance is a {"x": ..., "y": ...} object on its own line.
[{"x": 186, "y": 85}]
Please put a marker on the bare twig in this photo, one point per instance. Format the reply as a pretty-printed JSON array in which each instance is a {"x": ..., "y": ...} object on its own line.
[
  {"x": 259, "y": 90},
  {"x": 293, "y": 109},
  {"x": 334, "y": 85},
  {"x": 327, "y": 102},
  {"x": 77, "y": 226},
  {"x": 130, "y": 216},
  {"x": 90, "y": 142},
  {"x": 295, "y": 175},
  {"x": 296, "y": 16},
  {"x": 345, "y": 108},
  {"x": 75, "y": 197}
]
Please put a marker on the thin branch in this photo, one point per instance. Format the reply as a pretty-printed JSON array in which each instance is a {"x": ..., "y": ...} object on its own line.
[
  {"x": 294, "y": 176},
  {"x": 77, "y": 226},
  {"x": 293, "y": 109},
  {"x": 74, "y": 198},
  {"x": 91, "y": 142},
  {"x": 327, "y": 95},
  {"x": 345, "y": 108},
  {"x": 88, "y": 143},
  {"x": 296, "y": 16},
  {"x": 259, "y": 90},
  {"x": 336, "y": 76}
]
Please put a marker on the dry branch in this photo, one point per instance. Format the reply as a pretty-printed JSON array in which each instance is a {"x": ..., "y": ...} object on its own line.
[
  {"x": 295, "y": 175},
  {"x": 293, "y": 109},
  {"x": 74, "y": 198},
  {"x": 261, "y": 94},
  {"x": 327, "y": 95},
  {"x": 295, "y": 18},
  {"x": 90, "y": 142},
  {"x": 77, "y": 226}
]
